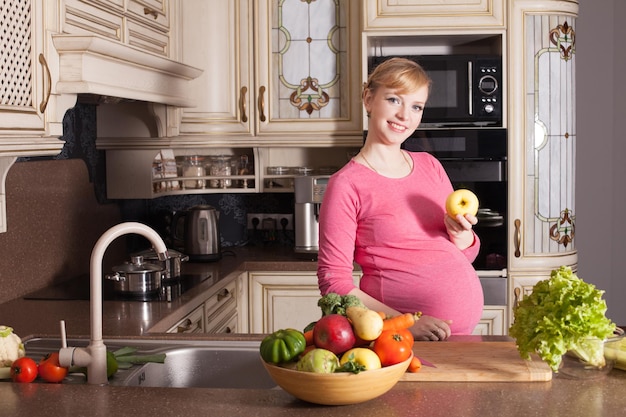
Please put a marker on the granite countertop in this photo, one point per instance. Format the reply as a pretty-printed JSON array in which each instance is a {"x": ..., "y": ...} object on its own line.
[
  {"x": 31, "y": 318},
  {"x": 133, "y": 318},
  {"x": 574, "y": 398}
]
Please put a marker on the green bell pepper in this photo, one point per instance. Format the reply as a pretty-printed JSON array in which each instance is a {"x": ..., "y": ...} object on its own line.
[{"x": 282, "y": 346}]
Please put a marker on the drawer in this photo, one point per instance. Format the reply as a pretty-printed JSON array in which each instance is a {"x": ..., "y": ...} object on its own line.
[
  {"x": 193, "y": 323},
  {"x": 220, "y": 319},
  {"x": 149, "y": 12},
  {"x": 147, "y": 38},
  {"x": 220, "y": 298},
  {"x": 81, "y": 18}
]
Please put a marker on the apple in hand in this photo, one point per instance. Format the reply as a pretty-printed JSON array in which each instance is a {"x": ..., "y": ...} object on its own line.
[
  {"x": 334, "y": 332},
  {"x": 462, "y": 201}
]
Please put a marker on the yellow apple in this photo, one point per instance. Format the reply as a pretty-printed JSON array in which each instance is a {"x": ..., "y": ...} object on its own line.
[{"x": 462, "y": 201}]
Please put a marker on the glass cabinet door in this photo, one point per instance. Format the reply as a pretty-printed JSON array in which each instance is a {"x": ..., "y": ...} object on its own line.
[{"x": 308, "y": 73}]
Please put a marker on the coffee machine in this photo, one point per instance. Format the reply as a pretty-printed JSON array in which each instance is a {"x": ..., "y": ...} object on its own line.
[{"x": 308, "y": 193}]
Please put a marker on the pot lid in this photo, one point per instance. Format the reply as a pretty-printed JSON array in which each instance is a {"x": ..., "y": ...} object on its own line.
[
  {"x": 150, "y": 254},
  {"x": 137, "y": 266}
]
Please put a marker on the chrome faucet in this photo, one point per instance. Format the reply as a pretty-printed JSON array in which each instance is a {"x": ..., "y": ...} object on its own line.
[{"x": 94, "y": 356}]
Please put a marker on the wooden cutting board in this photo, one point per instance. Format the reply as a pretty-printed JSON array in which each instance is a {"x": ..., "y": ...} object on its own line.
[{"x": 476, "y": 361}]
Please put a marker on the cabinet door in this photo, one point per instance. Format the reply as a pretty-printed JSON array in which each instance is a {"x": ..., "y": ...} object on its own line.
[
  {"x": 26, "y": 82},
  {"x": 542, "y": 136},
  {"x": 308, "y": 66},
  {"x": 280, "y": 300},
  {"x": 492, "y": 322},
  {"x": 216, "y": 36},
  {"x": 411, "y": 14}
]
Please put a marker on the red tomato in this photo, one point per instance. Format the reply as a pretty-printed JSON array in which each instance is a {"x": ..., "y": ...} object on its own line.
[
  {"x": 50, "y": 370},
  {"x": 393, "y": 346},
  {"x": 23, "y": 370}
]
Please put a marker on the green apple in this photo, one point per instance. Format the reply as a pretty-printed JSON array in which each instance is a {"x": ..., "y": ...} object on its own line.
[{"x": 462, "y": 201}]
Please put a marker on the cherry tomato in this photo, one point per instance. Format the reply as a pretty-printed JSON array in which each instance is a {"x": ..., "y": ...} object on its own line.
[
  {"x": 23, "y": 370},
  {"x": 50, "y": 370},
  {"x": 393, "y": 347}
]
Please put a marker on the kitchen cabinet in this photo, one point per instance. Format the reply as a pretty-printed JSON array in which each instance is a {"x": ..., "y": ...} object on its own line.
[
  {"x": 221, "y": 309},
  {"x": 153, "y": 172},
  {"x": 278, "y": 300},
  {"x": 143, "y": 24},
  {"x": 542, "y": 141},
  {"x": 410, "y": 14},
  {"x": 31, "y": 113},
  {"x": 191, "y": 323},
  {"x": 274, "y": 73}
]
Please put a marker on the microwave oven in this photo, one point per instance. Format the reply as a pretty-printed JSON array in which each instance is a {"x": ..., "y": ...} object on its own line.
[{"x": 466, "y": 89}]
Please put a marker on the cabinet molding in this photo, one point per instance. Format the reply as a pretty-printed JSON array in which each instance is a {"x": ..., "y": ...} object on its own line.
[
  {"x": 93, "y": 65},
  {"x": 388, "y": 14}
]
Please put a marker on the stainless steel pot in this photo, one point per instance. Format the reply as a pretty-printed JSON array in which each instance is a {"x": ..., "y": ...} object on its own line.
[
  {"x": 136, "y": 277},
  {"x": 172, "y": 266}
]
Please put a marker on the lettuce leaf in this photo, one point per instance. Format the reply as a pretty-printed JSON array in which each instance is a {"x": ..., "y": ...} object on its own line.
[{"x": 562, "y": 314}]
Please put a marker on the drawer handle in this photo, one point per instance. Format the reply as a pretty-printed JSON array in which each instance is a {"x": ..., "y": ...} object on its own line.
[
  {"x": 186, "y": 326},
  {"x": 518, "y": 237},
  {"x": 223, "y": 294},
  {"x": 47, "y": 83},
  {"x": 242, "y": 104},
  {"x": 149, "y": 12},
  {"x": 262, "y": 103}
]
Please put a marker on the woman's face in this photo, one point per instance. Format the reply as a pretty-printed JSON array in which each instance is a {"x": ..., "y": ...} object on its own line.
[{"x": 393, "y": 117}]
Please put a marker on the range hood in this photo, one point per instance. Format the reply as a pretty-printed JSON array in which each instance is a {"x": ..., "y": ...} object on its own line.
[{"x": 98, "y": 66}]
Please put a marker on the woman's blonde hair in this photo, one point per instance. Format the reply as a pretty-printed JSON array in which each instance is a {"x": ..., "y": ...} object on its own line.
[{"x": 400, "y": 74}]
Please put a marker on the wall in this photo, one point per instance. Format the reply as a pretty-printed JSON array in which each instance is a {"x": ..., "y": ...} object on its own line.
[{"x": 600, "y": 190}]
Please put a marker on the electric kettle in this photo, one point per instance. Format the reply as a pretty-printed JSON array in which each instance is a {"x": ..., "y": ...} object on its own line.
[{"x": 201, "y": 235}]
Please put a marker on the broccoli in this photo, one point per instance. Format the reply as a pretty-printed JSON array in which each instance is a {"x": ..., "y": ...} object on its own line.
[{"x": 333, "y": 303}]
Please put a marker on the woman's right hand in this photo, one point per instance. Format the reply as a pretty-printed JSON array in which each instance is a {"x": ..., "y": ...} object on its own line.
[{"x": 429, "y": 328}]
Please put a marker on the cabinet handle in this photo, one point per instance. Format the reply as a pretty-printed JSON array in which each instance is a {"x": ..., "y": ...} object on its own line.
[
  {"x": 149, "y": 12},
  {"x": 517, "y": 292},
  {"x": 262, "y": 103},
  {"x": 185, "y": 326},
  {"x": 47, "y": 83},
  {"x": 242, "y": 104},
  {"x": 518, "y": 237},
  {"x": 223, "y": 294}
]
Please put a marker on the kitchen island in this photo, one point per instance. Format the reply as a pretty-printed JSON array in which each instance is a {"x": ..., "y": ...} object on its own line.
[{"x": 32, "y": 318}]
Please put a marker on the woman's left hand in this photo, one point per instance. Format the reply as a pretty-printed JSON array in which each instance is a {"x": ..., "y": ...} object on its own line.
[
  {"x": 429, "y": 328},
  {"x": 460, "y": 229}
]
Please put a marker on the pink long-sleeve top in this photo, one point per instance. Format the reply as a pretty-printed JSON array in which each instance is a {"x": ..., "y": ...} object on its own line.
[{"x": 393, "y": 228}]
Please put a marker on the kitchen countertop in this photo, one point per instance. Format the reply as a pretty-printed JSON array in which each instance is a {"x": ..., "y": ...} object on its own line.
[
  {"x": 559, "y": 397},
  {"x": 133, "y": 319}
]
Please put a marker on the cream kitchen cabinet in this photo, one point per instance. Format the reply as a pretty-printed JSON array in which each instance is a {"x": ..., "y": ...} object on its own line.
[
  {"x": 279, "y": 300},
  {"x": 542, "y": 141},
  {"x": 143, "y": 24},
  {"x": 221, "y": 309},
  {"x": 411, "y": 14},
  {"x": 31, "y": 113},
  {"x": 191, "y": 323},
  {"x": 274, "y": 73},
  {"x": 145, "y": 173}
]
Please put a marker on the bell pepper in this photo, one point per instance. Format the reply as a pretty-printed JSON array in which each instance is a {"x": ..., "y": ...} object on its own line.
[{"x": 282, "y": 346}]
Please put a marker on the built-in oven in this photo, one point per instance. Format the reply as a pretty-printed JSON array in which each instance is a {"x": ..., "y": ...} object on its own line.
[{"x": 476, "y": 159}]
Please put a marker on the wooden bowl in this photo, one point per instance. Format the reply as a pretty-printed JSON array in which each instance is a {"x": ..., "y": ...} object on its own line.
[{"x": 339, "y": 388}]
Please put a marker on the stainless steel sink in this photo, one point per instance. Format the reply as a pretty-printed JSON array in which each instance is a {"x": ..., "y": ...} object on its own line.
[{"x": 188, "y": 364}]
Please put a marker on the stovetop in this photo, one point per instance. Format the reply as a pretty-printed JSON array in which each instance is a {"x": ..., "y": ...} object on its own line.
[{"x": 78, "y": 289}]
